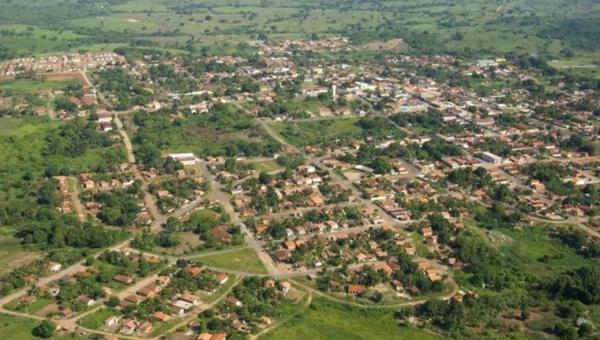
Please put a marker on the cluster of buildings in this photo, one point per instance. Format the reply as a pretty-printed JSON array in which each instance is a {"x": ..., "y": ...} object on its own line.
[{"x": 72, "y": 62}]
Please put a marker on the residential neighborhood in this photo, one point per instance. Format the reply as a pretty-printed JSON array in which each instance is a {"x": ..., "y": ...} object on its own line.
[{"x": 226, "y": 192}]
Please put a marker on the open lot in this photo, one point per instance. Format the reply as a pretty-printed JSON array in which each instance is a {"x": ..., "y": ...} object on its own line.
[
  {"x": 243, "y": 260},
  {"x": 328, "y": 320},
  {"x": 533, "y": 243},
  {"x": 24, "y": 86},
  {"x": 12, "y": 327},
  {"x": 12, "y": 255},
  {"x": 323, "y": 131}
]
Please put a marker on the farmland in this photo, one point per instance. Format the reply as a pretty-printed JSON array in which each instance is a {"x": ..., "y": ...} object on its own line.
[{"x": 471, "y": 28}]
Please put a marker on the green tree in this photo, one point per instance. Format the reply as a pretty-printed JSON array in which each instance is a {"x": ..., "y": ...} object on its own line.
[{"x": 44, "y": 330}]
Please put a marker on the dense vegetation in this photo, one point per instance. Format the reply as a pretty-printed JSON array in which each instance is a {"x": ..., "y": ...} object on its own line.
[{"x": 225, "y": 131}]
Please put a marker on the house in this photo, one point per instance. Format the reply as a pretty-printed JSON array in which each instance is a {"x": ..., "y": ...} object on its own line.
[
  {"x": 426, "y": 232},
  {"x": 163, "y": 280},
  {"x": 190, "y": 298},
  {"x": 490, "y": 157},
  {"x": 53, "y": 266},
  {"x": 106, "y": 126},
  {"x": 281, "y": 255},
  {"x": 66, "y": 312},
  {"x": 284, "y": 286},
  {"x": 265, "y": 320},
  {"x": 29, "y": 299},
  {"x": 181, "y": 306},
  {"x": 384, "y": 267},
  {"x": 112, "y": 321},
  {"x": 232, "y": 300},
  {"x": 123, "y": 279},
  {"x": 86, "y": 300},
  {"x": 160, "y": 316},
  {"x": 219, "y": 336},
  {"x": 209, "y": 336},
  {"x": 289, "y": 245},
  {"x": 354, "y": 289},
  {"x": 433, "y": 275},
  {"x": 130, "y": 300},
  {"x": 222, "y": 278},
  {"x": 145, "y": 328},
  {"x": 193, "y": 270},
  {"x": 128, "y": 326},
  {"x": 398, "y": 286},
  {"x": 149, "y": 291},
  {"x": 187, "y": 159}
]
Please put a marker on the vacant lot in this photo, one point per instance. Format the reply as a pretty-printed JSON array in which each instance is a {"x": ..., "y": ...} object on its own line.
[
  {"x": 12, "y": 255},
  {"x": 531, "y": 244},
  {"x": 326, "y": 131},
  {"x": 243, "y": 260},
  {"x": 23, "y": 86},
  {"x": 265, "y": 165},
  {"x": 327, "y": 320},
  {"x": 15, "y": 328}
]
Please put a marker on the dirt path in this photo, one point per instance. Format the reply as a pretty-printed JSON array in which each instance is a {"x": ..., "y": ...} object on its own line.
[{"x": 448, "y": 296}]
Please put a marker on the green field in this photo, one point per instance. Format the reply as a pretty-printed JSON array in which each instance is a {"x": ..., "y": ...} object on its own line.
[
  {"x": 532, "y": 243},
  {"x": 472, "y": 27},
  {"x": 266, "y": 165},
  {"x": 23, "y": 86},
  {"x": 241, "y": 260},
  {"x": 325, "y": 131},
  {"x": 225, "y": 131},
  {"x": 12, "y": 254},
  {"x": 15, "y": 328},
  {"x": 31, "y": 308},
  {"x": 96, "y": 319},
  {"x": 328, "y": 320}
]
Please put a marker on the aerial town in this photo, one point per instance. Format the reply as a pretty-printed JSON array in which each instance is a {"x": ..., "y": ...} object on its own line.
[{"x": 216, "y": 197}]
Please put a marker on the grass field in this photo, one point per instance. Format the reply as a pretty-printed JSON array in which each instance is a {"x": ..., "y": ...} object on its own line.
[
  {"x": 23, "y": 86},
  {"x": 242, "y": 260},
  {"x": 96, "y": 319},
  {"x": 324, "y": 131},
  {"x": 15, "y": 328},
  {"x": 533, "y": 243},
  {"x": 12, "y": 255},
  {"x": 266, "y": 165},
  {"x": 328, "y": 320},
  {"x": 31, "y": 308},
  {"x": 488, "y": 28}
]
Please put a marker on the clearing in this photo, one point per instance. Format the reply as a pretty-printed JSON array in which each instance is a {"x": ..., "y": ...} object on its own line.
[{"x": 244, "y": 260}]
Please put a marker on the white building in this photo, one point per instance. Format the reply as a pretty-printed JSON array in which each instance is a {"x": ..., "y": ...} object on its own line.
[
  {"x": 490, "y": 157},
  {"x": 187, "y": 159}
]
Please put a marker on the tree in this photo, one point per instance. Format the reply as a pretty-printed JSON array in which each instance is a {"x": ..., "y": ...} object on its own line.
[
  {"x": 264, "y": 177},
  {"x": 381, "y": 166},
  {"x": 44, "y": 330},
  {"x": 113, "y": 301}
]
